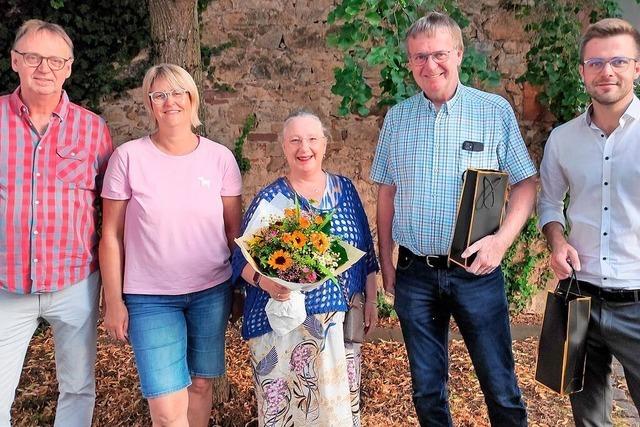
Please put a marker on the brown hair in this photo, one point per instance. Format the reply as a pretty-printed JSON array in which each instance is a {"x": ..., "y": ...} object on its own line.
[{"x": 609, "y": 27}]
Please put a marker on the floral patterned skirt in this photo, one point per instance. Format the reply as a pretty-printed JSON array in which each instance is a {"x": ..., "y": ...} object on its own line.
[{"x": 308, "y": 377}]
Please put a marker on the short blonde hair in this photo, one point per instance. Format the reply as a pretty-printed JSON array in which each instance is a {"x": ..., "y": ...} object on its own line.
[
  {"x": 178, "y": 78},
  {"x": 609, "y": 27},
  {"x": 433, "y": 22},
  {"x": 35, "y": 25}
]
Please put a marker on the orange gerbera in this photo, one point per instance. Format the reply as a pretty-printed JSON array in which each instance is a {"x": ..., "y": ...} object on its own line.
[
  {"x": 280, "y": 260},
  {"x": 320, "y": 241},
  {"x": 299, "y": 239},
  {"x": 287, "y": 239},
  {"x": 289, "y": 212},
  {"x": 318, "y": 220},
  {"x": 304, "y": 222}
]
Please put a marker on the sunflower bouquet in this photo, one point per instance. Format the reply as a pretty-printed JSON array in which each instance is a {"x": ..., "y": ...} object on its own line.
[{"x": 294, "y": 247}]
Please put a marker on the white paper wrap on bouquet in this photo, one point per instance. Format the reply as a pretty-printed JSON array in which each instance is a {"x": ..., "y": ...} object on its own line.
[{"x": 285, "y": 316}]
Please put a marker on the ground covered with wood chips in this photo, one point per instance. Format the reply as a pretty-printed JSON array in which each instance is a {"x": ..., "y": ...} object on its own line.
[{"x": 386, "y": 389}]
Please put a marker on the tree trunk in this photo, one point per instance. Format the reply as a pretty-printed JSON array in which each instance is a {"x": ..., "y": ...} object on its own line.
[
  {"x": 175, "y": 35},
  {"x": 176, "y": 40}
]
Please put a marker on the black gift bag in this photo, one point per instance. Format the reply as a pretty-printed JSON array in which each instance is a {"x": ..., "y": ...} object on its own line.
[
  {"x": 480, "y": 210},
  {"x": 562, "y": 348}
]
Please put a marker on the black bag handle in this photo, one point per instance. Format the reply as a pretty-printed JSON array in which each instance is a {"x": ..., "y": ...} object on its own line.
[{"x": 572, "y": 279}]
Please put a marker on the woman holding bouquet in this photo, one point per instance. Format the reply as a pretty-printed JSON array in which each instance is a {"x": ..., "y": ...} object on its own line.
[
  {"x": 171, "y": 211},
  {"x": 310, "y": 376}
]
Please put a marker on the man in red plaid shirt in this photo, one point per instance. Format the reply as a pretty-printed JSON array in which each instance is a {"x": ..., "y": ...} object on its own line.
[{"x": 52, "y": 157}]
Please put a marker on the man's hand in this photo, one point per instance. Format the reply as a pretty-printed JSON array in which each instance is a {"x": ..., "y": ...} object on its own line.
[
  {"x": 563, "y": 256},
  {"x": 489, "y": 252},
  {"x": 116, "y": 320}
]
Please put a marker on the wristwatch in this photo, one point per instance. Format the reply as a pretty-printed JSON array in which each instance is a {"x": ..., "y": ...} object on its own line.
[{"x": 256, "y": 279}]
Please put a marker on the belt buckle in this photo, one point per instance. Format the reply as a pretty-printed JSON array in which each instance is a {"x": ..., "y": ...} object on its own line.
[{"x": 428, "y": 261}]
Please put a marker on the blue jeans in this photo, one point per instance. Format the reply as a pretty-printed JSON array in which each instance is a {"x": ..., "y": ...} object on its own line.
[
  {"x": 176, "y": 337},
  {"x": 425, "y": 300}
]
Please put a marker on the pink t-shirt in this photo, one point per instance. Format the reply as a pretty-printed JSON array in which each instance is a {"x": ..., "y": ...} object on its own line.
[{"x": 174, "y": 235}]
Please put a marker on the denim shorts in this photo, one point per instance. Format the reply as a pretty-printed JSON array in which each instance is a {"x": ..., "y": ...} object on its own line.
[{"x": 176, "y": 337}]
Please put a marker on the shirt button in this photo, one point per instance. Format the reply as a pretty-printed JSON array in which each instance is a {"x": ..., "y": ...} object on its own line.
[
  {"x": 38, "y": 174},
  {"x": 604, "y": 258},
  {"x": 37, "y": 202},
  {"x": 606, "y": 208},
  {"x": 606, "y": 183},
  {"x": 605, "y": 233},
  {"x": 35, "y": 260},
  {"x": 606, "y": 158},
  {"x": 73, "y": 154},
  {"x": 35, "y": 232},
  {"x": 39, "y": 147},
  {"x": 604, "y": 278},
  {"x": 602, "y": 135}
]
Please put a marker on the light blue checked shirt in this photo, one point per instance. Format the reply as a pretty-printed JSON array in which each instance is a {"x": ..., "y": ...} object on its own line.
[{"x": 420, "y": 151}]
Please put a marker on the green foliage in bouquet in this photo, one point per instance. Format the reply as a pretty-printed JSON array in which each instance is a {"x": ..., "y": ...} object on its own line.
[{"x": 298, "y": 247}]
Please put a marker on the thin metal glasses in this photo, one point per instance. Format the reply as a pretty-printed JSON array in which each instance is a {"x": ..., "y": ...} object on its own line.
[{"x": 160, "y": 97}]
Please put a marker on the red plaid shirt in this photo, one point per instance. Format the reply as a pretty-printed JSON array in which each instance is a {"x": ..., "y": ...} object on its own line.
[{"x": 48, "y": 189}]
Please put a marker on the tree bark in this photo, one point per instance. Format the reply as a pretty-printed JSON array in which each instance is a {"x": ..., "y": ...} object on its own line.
[
  {"x": 175, "y": 34},
  {"x": 176, "y": 40}
]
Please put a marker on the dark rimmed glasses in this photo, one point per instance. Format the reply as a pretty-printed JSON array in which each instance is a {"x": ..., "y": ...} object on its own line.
[{"x": 34, "y": 60}]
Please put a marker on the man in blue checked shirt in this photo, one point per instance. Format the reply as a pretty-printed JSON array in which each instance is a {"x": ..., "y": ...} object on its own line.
[{"x": 426, "y": 144}]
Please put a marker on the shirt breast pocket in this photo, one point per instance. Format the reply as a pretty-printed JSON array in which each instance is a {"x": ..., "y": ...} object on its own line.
[
  {"x": 477, "y": 160},
  {"x": 73, "y": 166}
]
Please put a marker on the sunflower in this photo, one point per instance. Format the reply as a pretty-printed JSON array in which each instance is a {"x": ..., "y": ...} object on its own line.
[
  {"x": 318, "y": 220},
  {"x": 290, "y": 212},
  {"x": 280, "y": 260},
  {"x": 320, "y": 241},
  {"x": 299, "y": 239},
  {"x": 304, "y": 222}
]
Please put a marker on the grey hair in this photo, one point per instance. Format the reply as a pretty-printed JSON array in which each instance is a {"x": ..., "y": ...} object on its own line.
[
  {"x": 304, "y": 112},
  {"x": 35, "y": 25},
  {"x": 431, "y": 23}
]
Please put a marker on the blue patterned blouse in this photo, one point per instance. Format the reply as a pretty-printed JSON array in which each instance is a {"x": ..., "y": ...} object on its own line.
[{"x": 349, "y": 222}]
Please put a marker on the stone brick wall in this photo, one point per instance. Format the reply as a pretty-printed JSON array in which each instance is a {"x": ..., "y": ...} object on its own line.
[{"x": 278, "y": 60}]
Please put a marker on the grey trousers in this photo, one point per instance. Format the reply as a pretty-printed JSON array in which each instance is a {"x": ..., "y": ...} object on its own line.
[
  {"x": 614, "y": 330},
  {"x": 73, "y": 315}
]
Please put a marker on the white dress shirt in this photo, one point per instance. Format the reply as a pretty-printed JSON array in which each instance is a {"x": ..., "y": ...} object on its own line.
[{"x": 602, "y": 176}]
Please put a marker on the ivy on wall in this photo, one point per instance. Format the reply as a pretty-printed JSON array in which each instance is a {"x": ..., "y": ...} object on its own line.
[
  {"x": 105, "y": 43},
  {"x": 552, "y": 61},
  {"x": 371, "y": 35}
]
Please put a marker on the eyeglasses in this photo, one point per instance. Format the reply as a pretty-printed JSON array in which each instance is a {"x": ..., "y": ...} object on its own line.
[
  {"x": 160, "y": 97},
  {"x": 618, "y": 63},
  {"x": 312, "y": 140},
  {"x": 34, "y": 60},
  {"x": 439, "y": 56}
]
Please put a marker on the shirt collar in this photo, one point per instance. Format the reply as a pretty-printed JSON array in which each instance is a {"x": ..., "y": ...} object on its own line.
[
  {"x": 631, "y": 113},
  {"x": 19, "y": 107},
  {"x": 447, "y": 106}
]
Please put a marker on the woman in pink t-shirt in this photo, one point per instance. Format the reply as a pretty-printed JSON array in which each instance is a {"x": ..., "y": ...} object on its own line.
[{"x": 171, "y": 211}]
